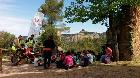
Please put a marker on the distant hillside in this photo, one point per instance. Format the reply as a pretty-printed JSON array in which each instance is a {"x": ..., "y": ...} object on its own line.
[{"x": 83, "y": 34}]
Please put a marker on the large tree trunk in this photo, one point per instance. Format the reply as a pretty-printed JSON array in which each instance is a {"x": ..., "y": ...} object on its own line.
[
  {"x": 128, "y": 27},
  {"x": 136, "y": 34},
  {"x": 112, "y": 37}
]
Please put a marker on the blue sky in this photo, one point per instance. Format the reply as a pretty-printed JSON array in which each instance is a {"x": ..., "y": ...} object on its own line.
[{"x": 16, "y": 16}]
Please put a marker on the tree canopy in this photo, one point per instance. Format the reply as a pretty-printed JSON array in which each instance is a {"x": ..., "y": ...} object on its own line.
[
  {"x": 50, "y": 31},
  {"x": 96, "y": 10},
  {"x": 52, "y": 10},
  {"x": 6, "y": 39}
]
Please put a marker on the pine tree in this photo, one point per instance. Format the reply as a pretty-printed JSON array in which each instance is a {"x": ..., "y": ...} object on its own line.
[{"x": 52, "y": 10}]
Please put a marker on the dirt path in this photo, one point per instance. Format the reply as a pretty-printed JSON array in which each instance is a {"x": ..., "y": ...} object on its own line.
[{"x": 98, "y": 71}]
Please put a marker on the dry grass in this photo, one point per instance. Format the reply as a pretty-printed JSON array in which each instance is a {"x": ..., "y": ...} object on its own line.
[{"x": 121, "y": 70}]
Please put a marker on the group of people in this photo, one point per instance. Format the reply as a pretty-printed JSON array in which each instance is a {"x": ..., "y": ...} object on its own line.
[
  {"x": 71, "y": 58},
  {"x": 52, "y": 54},
  {"x": 67, "y": 59},
  {"x": 22, "y": 49}
]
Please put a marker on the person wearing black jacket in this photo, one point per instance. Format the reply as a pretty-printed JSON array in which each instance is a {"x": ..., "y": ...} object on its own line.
[{"x": 49, "y": 46}]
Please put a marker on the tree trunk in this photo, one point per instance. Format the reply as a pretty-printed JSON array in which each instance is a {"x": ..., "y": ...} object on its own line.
[
  {"x": 128, "y": 27},
  {"x": 112, "y": 37},
  {"x": 136, "y": 34},
  {"x": 1, "y": 59}
]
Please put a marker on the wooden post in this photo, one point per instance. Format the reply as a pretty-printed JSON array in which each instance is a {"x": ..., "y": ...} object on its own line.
[{"x": 0, "y": 59}]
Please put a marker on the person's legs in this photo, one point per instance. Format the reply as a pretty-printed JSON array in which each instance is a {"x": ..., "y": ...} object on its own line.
[
  {"x": 107, "y": 59},
  {"x": 20, "y": 57},
  {"x": 86, "y": 63},
  {"x": 12, "y": 55},
  {"x": 49, "y": 58},
  {"x": 45, "y": 60},
  {"x": 61, "y": 64}
]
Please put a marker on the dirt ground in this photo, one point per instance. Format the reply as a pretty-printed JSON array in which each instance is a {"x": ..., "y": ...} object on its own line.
[{"x": 94, "y": 71}]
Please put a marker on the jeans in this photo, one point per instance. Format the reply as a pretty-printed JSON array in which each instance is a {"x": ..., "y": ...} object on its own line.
[{"x": 47, "y": 59}]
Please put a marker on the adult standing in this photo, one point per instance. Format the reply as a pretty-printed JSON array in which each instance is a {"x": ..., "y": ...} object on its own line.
[
  {"x": 31, "y": 42},
  {"x": 18, "y": 48},
  {"x": 30, "y": 46},
  {"x": 49, "y": 46}
]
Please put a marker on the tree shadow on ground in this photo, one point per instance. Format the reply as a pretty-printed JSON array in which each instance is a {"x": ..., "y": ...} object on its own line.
[{"x": 94, "y": 71}]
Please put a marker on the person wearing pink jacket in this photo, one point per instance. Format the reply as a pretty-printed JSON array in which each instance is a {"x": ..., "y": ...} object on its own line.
[
  {"x": 68, "y": 61},
  {"x": 108, "y": 54}
]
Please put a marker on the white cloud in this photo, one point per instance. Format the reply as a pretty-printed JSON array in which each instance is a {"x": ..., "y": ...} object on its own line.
[
  {"x": 10, "y": 23},
  {"x": 14, "y": 25}
]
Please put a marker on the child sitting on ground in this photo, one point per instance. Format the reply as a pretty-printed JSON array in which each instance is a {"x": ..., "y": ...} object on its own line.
[
  {"x": 76, "y": 59},
  {"x": 38, "y": 60},
  {"x": 107, "y": 54},
  {"x": 85, "y": 59},
  {"x": 90, "y": 57},
  {"x": 60, "y": 59},
  {"x": 68, "y": 62}
]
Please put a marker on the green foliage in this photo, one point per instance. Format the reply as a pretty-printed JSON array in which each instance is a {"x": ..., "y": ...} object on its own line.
[
  {"x": 130, "y": 48},
  {"x": 50, "y": 31},
  {"x": 6, "y": 39},
  {"x": 85, "y": 44},
  {"x": 96, "y": 10},
  {"x": 99, "y": 42},
  {"x": 52, "y": 9}
]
